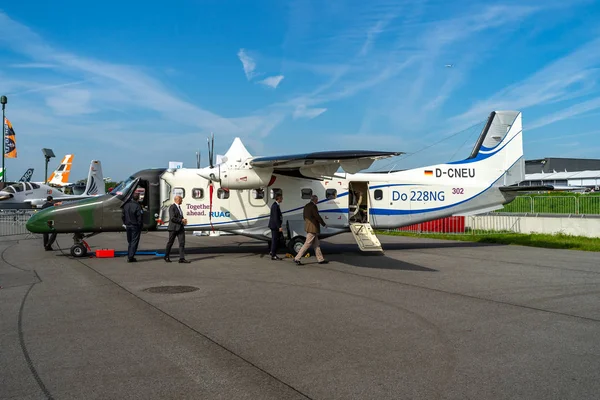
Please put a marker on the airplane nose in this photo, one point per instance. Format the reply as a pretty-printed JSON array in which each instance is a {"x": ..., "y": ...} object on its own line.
[{"x": 38, "y": 223}]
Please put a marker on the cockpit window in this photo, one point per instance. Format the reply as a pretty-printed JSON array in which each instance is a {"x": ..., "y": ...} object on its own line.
[
  {"x": 9, "y": 189},
  {"x": 124, "y": 188}
]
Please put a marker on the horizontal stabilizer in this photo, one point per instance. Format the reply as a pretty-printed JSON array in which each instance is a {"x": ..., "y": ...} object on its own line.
[{"x": 526, "y": 188}]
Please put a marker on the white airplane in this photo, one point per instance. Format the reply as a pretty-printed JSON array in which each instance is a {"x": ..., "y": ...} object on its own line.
[
  {"x": 350, "y": 201},
  {"x": 26, "y": 195}
]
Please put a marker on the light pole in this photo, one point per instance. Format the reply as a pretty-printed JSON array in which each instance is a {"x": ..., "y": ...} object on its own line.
[
  {"x": 48, "y": 154},
  {"x": 3, "y": 100}
]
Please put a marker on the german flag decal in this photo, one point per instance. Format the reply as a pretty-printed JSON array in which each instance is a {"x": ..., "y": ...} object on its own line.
[{"x": 428, "y": 172}]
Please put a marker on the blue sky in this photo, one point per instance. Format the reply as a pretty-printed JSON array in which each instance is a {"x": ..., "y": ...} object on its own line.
[{"x": 137, "y": 84}]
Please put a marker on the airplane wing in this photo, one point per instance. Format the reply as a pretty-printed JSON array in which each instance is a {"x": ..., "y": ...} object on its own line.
[{"x": 322, "y": 163}]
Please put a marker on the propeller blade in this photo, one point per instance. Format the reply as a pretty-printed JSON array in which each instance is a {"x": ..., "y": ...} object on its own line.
[
  {"x": 209, "y": 153},
  {"x": 212, "y": 150}
]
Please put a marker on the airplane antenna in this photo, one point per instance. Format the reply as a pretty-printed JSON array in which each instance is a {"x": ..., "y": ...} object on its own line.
[
  {"x": 407, "y": 155},
  {"x": 198, "y": 159}
]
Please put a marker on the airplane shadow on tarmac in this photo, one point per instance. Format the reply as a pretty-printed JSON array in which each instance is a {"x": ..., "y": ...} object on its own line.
[{"x": 346, "y": 253}]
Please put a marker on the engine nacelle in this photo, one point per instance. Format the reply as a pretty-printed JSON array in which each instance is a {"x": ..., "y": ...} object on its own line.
[{"x": 239, "y": 179}]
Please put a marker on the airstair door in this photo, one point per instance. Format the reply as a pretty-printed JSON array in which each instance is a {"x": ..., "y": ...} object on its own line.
[{"x": 365, "y": 236}]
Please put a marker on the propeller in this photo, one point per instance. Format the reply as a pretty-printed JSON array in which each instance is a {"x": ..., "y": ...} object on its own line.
[
  {"x": 211, "y": 187},
  {"x": 211, "y": 150}
]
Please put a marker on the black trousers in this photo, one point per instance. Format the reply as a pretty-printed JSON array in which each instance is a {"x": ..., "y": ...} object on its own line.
[
  {"x": 274, "y": 241},
  {"x": 49, "y": 239},
  {"x": 180, "y": 235},
  {"x": 133, "y": 239}
]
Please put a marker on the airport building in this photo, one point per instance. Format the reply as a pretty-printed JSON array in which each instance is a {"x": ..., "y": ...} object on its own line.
[{"x": 581, "y": 173}]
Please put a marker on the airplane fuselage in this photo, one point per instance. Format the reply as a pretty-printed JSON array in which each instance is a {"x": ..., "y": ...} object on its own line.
[{"x": 389, "y": 200}]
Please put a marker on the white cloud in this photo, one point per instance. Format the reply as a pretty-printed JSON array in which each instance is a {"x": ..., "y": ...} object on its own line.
[
  {"x": 565, "y": 78},
  {"x": 70, "y": 102},
  {"x": 566, "y": 113},
  {"x": 272, "y": 81},
  {"x": 33, "y": 65},
  {"x": 111, "y": 102},
  {"x": 248, "y": 63},
  {"x": 302, "y": 112}
]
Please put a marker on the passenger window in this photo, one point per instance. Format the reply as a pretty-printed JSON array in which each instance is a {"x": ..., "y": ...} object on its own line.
[
  {"x": 330, "y": 194},
  {"x": 258, "y": 193},
  {"x": 222, "y": 194},
  {"x": 379, "y": 194},
  {"x": 197, "y": 193},
  {"x": 35, "y": 185},
  {"x": 306, "y": 193},
  {"x": 179, "y": 192},
  {"x": 275, "y": 192}
]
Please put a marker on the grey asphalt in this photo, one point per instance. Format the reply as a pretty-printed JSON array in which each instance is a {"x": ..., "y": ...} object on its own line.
[{"x": 430, "y": 319}]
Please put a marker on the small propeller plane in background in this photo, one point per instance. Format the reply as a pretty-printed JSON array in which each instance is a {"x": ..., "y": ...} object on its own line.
[{"x": 350, "y": 201}]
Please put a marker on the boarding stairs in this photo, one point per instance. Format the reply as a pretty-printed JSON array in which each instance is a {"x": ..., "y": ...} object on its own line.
[{"x": 365, "y": 236}]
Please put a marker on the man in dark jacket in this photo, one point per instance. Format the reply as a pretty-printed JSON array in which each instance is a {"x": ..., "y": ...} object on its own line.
[
  {"x": 49, "y": 238},
  {"x": 133, "y": 221},
  {"x": 275, "y": 222},
  {"x": 176, "y": 228},
  {"x": 312, "y": 226}
]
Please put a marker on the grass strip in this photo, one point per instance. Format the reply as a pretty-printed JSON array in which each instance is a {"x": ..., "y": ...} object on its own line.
[{"x": 558, "y": 241}]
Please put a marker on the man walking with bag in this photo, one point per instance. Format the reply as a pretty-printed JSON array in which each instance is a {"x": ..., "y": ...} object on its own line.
[{"x": 312, "y": 222}]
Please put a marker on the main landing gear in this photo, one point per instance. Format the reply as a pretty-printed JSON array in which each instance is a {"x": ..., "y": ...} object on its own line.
[
  {"x": 296, "y": 244},
  {"x": 80, "y": 248},
  {"x": 293, "y": 246}
]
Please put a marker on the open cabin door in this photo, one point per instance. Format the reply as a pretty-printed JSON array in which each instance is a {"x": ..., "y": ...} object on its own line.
[{"x": 358, "y": 217}]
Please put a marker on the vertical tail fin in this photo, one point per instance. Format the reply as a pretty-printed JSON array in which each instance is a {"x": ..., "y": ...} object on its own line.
[
  {"x": 27, "y": 175},
  {"x": 60, "y": 176},
  {"x": 95, "y": 182},
  {"x": 500, "y": 147}
]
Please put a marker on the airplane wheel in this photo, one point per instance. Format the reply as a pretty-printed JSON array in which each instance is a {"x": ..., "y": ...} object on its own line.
[
  {"x": 296, "y": 244},
  {"x": 78, "y": 250}
]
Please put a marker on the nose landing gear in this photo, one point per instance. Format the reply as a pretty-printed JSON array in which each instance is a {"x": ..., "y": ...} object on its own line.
[{"x": 80, "y": 247}]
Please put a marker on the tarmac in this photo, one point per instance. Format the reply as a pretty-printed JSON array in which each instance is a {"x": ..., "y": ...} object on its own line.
[{"x": 429, "y": 319}]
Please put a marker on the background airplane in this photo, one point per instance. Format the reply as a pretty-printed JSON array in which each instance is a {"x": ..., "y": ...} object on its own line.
[
  {"x": 350, "y": 201},
  {"x": 27, "y": 175},
  {"x": 60, "y": 176},
  {"x": 24, "y": 195}
]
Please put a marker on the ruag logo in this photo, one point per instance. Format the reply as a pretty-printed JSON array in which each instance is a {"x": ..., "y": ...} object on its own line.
[{"x": 217, "y": 214}]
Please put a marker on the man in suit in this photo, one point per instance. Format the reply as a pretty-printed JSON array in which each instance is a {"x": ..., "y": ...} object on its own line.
[
  {"x": 49, "y": 238},
  {"x": 176, "y": 229},
  {"x": 312, "y": 222},
  {"x": 133, "y": 221},
  {"x": 275, "y": 222}
]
